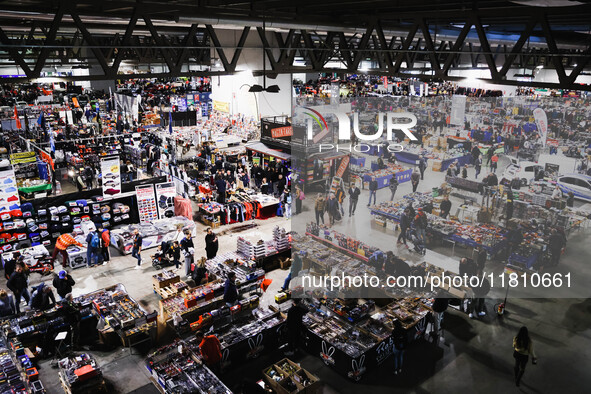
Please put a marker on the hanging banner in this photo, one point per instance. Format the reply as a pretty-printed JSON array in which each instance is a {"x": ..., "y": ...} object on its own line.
[
  {"x": 146, "y": 203},
  {"x": 165, "y": 193},
  {"x": 542, "y": 123},
  {"x": 282, "y": 132},
  {"x": 111, "y": 176},
  {"x": 343, "y": 167},
  {"x": 23, "y": 157},
  {"x": 9, "y": 198},
  {"x": 458, "y": 110}
]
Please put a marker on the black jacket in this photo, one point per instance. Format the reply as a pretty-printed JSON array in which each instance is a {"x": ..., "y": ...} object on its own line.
[
  {"x": 373, "y": 185},
  {"x": 17, "y": 282},
  {"x": 445, "y": 206},
  {"x": 354, "y": 193},
  {"x": 230, "y": 292},
  {"x": 63, "y": 286}
]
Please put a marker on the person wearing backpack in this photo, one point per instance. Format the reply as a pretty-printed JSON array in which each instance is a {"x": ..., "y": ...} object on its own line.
[
  {"x": 106, "y": 242},
  {"x": 93, "y": 248}
]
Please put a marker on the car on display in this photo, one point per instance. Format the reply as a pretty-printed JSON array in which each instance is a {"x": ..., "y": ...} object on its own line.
[
  {"x": 524, "y": 170},
  {"x": 579, "y": 184}
]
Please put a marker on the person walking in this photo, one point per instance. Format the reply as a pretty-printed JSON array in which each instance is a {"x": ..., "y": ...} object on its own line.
[
  {"x": 400, "y": 339},
  {"x": 393, "y": 186},
  {"x": 332, "y": 207},
  {"x": 294, "y": 270},
  {"x": 137, "y": 247},
  {"x": 523, "y": 347},
  {"x": 286, "y": 201},
  {"x": 421, "y": 223},
  {"x": 354, "y": 193},
  {"x": 17, "y": 283},
  {"x": 188, "y": 249},
  {"x": 174, "y": 251},
  {"x": 404, "y": 225},
  {"x": 414, "y": 180},
  {"x": 373, "y": 190},
  {"x": 211, "y": 244},
  {"x": 63, "y": 283},
  {"x": 494, "y": 160},
  {"x": 478, "y": 166},
  {"x": 319, "y": 208},
  {"x": 299, "y": 197},
  {"x": 422, "y": 166},
  {"x": 211, "y": 351}
]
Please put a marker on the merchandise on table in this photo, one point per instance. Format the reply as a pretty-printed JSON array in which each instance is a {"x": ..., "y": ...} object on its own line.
[
  {"x": 17, "y": 374},
  {"x": 161, "y": 230},
  {"x": 178, "y": 368},
  {"x": 120, "y": 311},
  {"x": 279, "y": 243},
  {"x": 81, "y": 374},
  {"x": 37, "y": 258},
  {"x": 383, "y": 176}
]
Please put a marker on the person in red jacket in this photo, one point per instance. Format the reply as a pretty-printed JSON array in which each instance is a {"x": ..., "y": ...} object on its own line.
[{"x": 211, "y": 351}]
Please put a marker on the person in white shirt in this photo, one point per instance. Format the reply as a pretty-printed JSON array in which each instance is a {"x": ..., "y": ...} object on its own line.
[{"x": 557, "y": 193}]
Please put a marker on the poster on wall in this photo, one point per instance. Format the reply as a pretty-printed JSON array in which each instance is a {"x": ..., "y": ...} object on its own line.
[
  {"x": 458, "y": 110},
  {"x": 111, "y": 175},
  {"x": 146, "y": 203},
  {"x": 221, "y": 106},
  {"x": 9, "y": 198},
  {"x": 165, "y": 193}
]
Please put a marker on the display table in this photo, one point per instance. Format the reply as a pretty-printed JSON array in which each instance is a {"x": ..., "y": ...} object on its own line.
[
  {"x": 161, "y": 230},
  {"x": 36, "y": 257},
  {"x": 119, "y": 311},
  {"x": 35, "y": 189},
  {"x": 357, "y": 161},
  {"x": 384, "y": 180},
  {"x": 462, "y": 161}
]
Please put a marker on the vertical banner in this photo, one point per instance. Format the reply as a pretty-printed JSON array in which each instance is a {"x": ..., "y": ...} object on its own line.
[
  {"x": 458, "y": 110},
  {"x": 9, "y": 198},
  {"x": 111, "y": 175},
  {"x": 542, "y": 123},
  {"x": 335, "y": 90},
  {"x": 165, "y": 193},
  {"x": 146, "y": 203}
]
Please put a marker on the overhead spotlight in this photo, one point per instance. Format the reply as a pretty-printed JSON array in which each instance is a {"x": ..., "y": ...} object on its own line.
[
  {"x": 256, "y": 89},
  {"x": 540, "y": 66}
]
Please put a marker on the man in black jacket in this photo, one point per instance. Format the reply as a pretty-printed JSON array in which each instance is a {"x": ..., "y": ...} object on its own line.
[
  {"x": 230, "y": 290},
  {"x": 63, "y": 284},
  {"x": 373, "y": 189},
  {"x": 445, "y": 207},
  {"x": 354, "y": 193},
  {"x": 17, "y": 283},
  {"x": 295, "y": 325}
]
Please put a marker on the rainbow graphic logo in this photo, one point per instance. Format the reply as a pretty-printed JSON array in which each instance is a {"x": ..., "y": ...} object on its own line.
[{"x": 317, "y": 117}]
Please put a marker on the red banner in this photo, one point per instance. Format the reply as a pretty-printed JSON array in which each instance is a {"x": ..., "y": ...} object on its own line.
[
  {"x": 46, "y": 157},
  {"x": 343, "y": 167},
  {"x": 280, "y": 132}
]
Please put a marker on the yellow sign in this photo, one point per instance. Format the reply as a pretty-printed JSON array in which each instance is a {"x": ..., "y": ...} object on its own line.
[
  {"x": 221, "y": 106},
  {"x": 23, "y": 157}
]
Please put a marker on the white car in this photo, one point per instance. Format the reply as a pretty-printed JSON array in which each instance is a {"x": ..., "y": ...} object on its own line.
[
  {"x": 579, "y": 184},
  {"x": 524, "y": 170}
]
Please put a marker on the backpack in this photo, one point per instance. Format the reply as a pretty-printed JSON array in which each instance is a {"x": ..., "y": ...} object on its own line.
[{"x": 94, "y": 241}]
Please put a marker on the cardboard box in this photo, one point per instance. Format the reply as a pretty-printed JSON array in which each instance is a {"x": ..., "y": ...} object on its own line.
[
  {"x": 282, "y": 388},
  {"x": 436, "y": 165},
  {"x": 285, "y": 263},
  {"x": 269, "y": 379},
  {"x": 303, "y": 376}
]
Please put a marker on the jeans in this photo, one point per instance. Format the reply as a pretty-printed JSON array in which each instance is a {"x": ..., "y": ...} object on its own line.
[
  {"x": 17, "y": 298},
  {"x": 402, "y": 236},
  {"x": 287, "y": 212},
  {"x": 372, "y": 193},
  {"x": 398, "y": 358},
  {"x": 105, "y": 252},
  {"x": 352, "y": 206},
  {"x": 176, "y": 263},
  {"x": 93, "y": 254},
  {"x": 136, "y": 253},
  {"x": 287, "y": 281},
  {"x": 414, "y": 186},
  {"x": 421, "y": 235},
  {"x": 437, "y": 319},
  {"x": 188, "y": 262},
  {"x": 319, "y": 216},
  {"x": 392, "y": 193}
]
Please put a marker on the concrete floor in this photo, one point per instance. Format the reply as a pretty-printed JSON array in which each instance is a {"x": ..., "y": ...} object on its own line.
[{"x": 476, "y": 355}]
